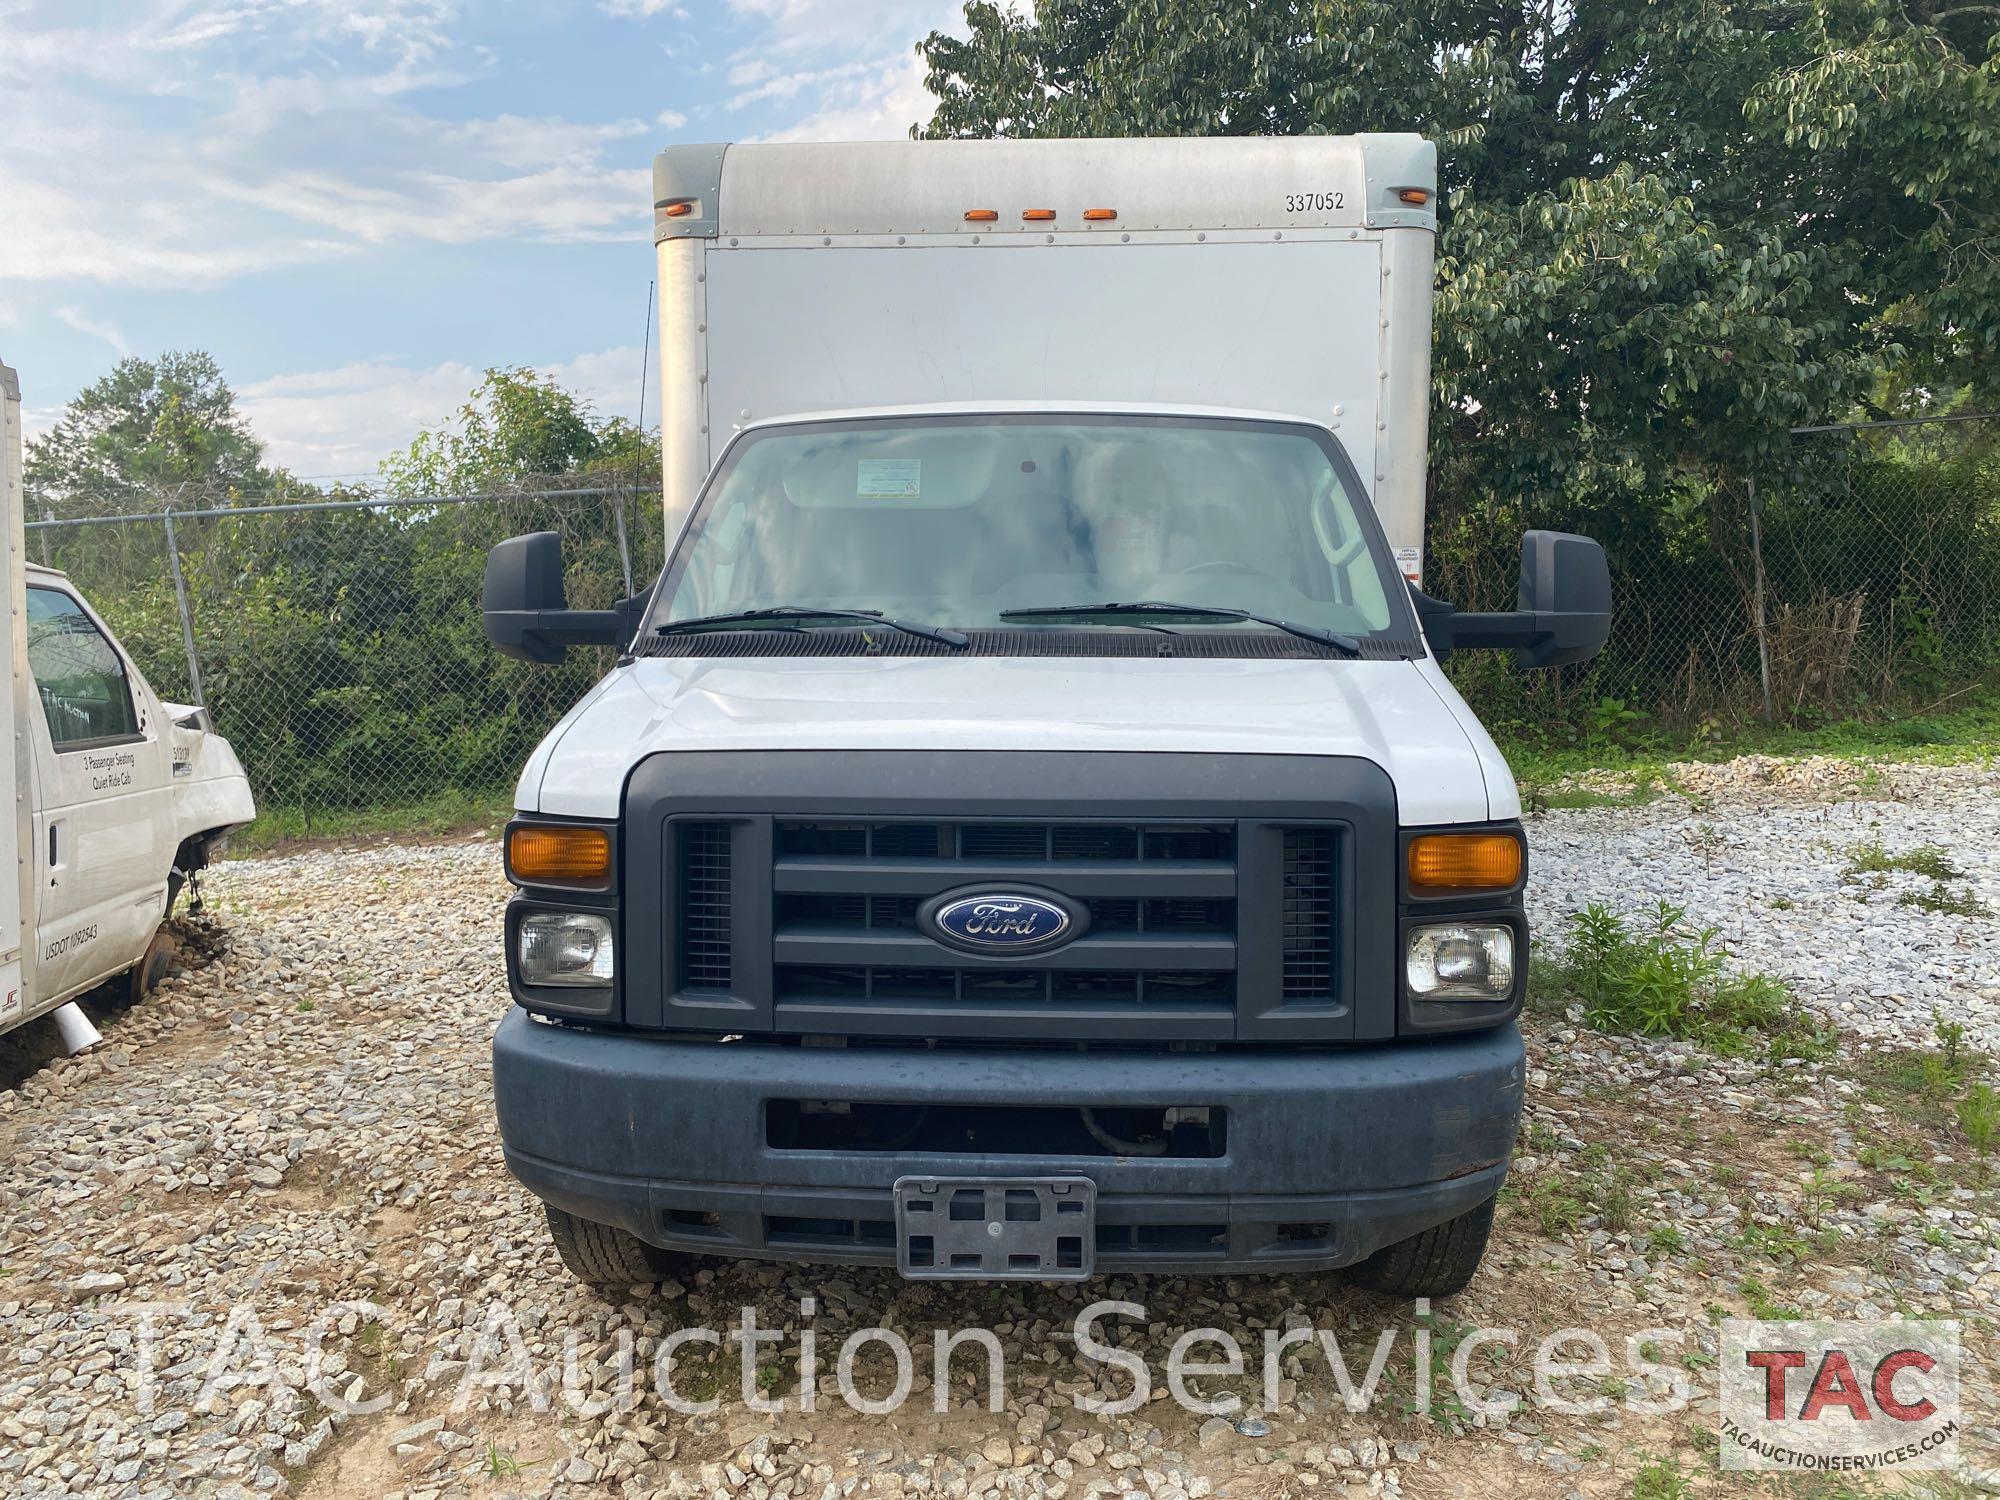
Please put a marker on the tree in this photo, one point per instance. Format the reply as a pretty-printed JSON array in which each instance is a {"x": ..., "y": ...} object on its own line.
[{"x": 150, "y": 432}]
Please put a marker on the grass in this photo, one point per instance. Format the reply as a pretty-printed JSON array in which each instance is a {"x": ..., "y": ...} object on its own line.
[
  {"x": 1967, "y": 730},
  {"x": 1925, "y": 859},
  {"x": 445, "y": 813},
  {"x": 1661, "y": 976},
  {"x": 1945, "y": 901},
  {"x": 1661, "y": 1479}
]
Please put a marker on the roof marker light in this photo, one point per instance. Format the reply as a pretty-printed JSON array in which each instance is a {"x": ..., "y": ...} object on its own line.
[
  {"x": 1100, "y": 215},
  {"x": 1037, "y": 215},
  {"x": 981, "y": 215}
]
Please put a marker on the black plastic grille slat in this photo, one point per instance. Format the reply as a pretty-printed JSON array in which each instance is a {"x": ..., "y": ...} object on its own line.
[
  {"x": 1039, "y": 842},
  {"x": 707, "y": 960},
  {"x": 1308, "y": 915},
  {"x": 856, "y": 913},
  {"x": 1057, "y": 987}
]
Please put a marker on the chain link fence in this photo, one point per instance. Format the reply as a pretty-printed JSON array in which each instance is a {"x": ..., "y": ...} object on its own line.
[
  {"x": 338, "y": 641},
  {"x": 1865, "y": 579}
]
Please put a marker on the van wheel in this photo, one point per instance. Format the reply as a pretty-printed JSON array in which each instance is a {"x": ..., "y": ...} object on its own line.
[
  {"x": 144, "y": 977},
  {"x": 1436, "y": 1263},
  {"x": 606, "y": 1258}
]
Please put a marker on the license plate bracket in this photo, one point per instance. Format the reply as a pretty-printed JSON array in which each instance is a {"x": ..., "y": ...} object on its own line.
[{"x": 996, "y": 1228}]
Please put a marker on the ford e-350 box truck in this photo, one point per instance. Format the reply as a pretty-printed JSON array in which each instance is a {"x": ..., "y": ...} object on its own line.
[{"x": 1027, "y": 831}]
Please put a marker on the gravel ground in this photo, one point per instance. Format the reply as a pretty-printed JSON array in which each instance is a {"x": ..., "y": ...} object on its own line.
[{"x": 300, "y": 1130}]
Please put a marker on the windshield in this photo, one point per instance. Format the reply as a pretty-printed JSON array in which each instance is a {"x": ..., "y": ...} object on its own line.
[{"x": 961, "y": 522}]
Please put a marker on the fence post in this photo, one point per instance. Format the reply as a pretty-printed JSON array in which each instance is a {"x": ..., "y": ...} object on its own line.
[
  {"x": 1757, "y": 593},
  {"x": 187, "y": 618},
  {"x": 624, "y": 547}
]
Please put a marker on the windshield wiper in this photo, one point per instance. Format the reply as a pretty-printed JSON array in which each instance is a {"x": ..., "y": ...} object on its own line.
[
  {"x": 1346, "y": 644},
  {"x": 790, "y": 616}
]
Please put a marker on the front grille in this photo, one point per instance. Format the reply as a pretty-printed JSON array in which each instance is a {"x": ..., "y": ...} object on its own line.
[
  {"x": 1197, "y": 931},
  {"x": 707, "y": 956},
  {"x": 1308, "y": 929}
]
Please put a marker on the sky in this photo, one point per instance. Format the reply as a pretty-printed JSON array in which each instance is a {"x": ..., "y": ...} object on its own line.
[{"x": 359, "y": 205}]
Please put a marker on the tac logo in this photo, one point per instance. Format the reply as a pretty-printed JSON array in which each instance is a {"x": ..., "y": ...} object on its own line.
[{"x": 1838, "y": 1397}]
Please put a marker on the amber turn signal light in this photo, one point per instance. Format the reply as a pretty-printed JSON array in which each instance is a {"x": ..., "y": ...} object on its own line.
[
  {"x": 1441, "y": 862},
  {"x": 558, "y": 853}
]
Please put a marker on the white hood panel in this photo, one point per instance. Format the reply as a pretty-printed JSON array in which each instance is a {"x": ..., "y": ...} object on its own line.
[{"x": 1394, "y": 713}]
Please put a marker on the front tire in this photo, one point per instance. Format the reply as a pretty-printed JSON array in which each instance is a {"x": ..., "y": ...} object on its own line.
[
  {"x": 605, "y": 1258},
  {"x": 144, "y": 977},
  {"x": 1435, "y": 1263}
]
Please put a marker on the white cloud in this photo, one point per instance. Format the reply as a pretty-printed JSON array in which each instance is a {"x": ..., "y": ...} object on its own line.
[
  {"x": 887, "y": 100},
  {"x": 347, "y": 420},
  {"x": 670, "y": 119},
  {"x": 640, "y": 10},
  {"x": 92, "y": 328},
  {"x": 343, "y": 422},
  {"x": 291, "y": 136},
  {"x": 856, "y": 68}
]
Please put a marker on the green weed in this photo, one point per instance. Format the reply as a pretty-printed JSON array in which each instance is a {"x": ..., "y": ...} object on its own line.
[
  {"x": 1926, "y": 859},
  {"x": 1945, "y": 901},
  {"x": 1662, "y": 976}
]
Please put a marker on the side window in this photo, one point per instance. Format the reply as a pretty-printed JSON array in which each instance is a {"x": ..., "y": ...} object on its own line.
[{"x": 85, "y": 696}]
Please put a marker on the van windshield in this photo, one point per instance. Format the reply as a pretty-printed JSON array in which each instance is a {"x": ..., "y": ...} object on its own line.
[{"x": 982, "y": 522}]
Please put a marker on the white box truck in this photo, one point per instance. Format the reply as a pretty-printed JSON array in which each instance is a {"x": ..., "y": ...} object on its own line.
[
  {"x": 113, "y": 798},
  {"x": 1027, "y": 830}
]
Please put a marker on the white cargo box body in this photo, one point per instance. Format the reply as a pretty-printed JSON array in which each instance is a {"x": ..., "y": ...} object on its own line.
[{"x": 1282, "y": 276}]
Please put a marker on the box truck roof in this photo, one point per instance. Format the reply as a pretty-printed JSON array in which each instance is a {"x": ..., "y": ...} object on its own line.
[
  {"x": 1283, "y": 277},
  {"x": 951, "y": 187}
]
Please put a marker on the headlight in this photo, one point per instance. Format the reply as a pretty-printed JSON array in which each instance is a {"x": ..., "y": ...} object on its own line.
[
  {"x": 1460, "y": 961},
  {"x": 569, "y": 948}
]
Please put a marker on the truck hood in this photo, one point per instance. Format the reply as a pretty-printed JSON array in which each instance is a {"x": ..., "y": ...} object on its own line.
[{"x": 1403, "y": 715}]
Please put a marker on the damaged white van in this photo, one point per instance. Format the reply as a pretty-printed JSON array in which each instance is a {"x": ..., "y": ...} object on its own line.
[
  {"x": 1027, "y": 831},
  {"x": 116, "y": 797}
]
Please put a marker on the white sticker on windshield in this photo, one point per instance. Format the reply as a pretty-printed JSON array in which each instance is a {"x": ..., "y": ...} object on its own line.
[
  {"x": 1411, "y": 563},
  {"x": 889, "y": 479}
]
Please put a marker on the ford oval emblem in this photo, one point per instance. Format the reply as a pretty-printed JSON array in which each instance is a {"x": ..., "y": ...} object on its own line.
[{"x": 1000, "y": 922}]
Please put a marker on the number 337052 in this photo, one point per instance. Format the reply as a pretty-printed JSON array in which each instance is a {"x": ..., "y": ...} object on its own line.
[{"x": 1307, "y": 203}]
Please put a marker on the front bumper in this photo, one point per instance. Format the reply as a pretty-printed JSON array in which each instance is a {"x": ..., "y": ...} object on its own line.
[{"x": 1332, "y": 1153}]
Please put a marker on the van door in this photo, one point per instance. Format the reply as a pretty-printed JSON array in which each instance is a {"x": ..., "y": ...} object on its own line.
[{"x": 103, "y": 820}]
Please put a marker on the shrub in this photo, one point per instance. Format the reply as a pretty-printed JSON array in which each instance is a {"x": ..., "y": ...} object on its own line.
[{"x": 1664, "y": 977}]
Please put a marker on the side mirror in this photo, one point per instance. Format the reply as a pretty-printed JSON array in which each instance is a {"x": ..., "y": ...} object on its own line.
[
  {"x": 1562, "y": 608},
  {"x": 526, "y": 611}
]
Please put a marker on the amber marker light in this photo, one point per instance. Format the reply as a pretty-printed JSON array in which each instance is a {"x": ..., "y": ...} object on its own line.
[
  {"x": 1099, "y": 215},
  {"x": 1038, "y": 215},
  {"x": 1414, "y": 195},
  {"x": 578, "y": 855},
  {"x": 982, "y": 215},
  {"x": 680, "y": 208},
  {"x": 1464, "y": 862}
]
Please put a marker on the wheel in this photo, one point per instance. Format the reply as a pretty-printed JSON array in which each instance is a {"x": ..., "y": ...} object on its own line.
[
  {"x": 1436, "y": 1263},
  {"x": 606, "y": 1258},
  {"x": 145, "y": 976}
]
